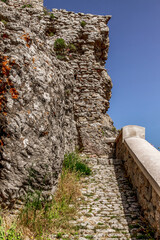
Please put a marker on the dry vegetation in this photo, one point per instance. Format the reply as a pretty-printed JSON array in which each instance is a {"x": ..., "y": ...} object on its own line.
[{"x": 41, "y": 219}]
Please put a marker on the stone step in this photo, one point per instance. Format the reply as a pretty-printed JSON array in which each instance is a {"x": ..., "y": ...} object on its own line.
[{"x": 104, "y": 161}]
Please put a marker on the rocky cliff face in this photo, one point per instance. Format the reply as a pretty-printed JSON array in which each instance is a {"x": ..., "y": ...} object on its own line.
[{"x": 53, "y": 98}]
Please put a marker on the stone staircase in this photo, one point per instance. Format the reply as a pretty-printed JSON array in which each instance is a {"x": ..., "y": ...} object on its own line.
[{"x": 109, "y": 209}]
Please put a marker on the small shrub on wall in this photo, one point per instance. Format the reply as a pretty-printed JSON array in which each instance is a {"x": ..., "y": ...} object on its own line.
[
  {"x": 64, "y": 50},
  {"x": 83, "y": 24},
  {"x": 52, "y": 16},
  {"x": 59, "y": 44},
  {"x": 72, "y": 47},
  {"x": 27, "y": 6}
]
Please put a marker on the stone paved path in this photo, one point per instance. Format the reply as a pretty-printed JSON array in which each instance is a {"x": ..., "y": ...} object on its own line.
[{"x": 110, "y": 210}]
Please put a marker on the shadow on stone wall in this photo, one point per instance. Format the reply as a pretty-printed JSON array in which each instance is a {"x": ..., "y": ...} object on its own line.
[{"x": 138, "y": 227}]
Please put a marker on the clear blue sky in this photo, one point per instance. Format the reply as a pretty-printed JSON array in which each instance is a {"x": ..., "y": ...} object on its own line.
[{"x": 134, "y": 59}]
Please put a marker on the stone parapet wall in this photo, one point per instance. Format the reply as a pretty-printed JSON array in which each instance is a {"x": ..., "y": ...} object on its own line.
[{"x": 142, "y": 164}]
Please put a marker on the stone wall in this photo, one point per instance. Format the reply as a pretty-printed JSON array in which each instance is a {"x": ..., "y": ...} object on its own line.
[
  {"x": 142, "y": 164},
  {"x": 49, "y": 103},
  {"x": 38, "y": 4},
  {"x": 92, "y": 84}
]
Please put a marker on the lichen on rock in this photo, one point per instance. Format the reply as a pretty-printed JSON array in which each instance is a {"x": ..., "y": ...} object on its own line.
[{"x": 51, "y": 101}]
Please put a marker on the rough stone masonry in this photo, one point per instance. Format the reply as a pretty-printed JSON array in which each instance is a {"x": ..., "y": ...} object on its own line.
[{"x": 50, "y": 101}]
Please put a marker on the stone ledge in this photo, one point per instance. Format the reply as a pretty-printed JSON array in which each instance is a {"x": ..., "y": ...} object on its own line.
[
  {"x": 147, "y": 158},
  {"x": 110, "y": 140}
]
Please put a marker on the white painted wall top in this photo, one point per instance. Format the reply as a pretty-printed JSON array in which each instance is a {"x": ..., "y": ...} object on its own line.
[
  {"x": 147, "y": 158},
  {"x": 133, "y": 131}
]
